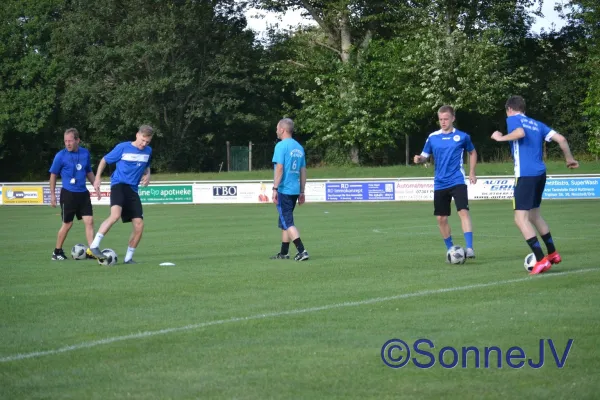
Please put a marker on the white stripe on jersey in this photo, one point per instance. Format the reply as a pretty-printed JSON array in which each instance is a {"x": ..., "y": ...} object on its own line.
[
  {"x": 517, "y": 157},
  {"x": 135, "y": 157}
]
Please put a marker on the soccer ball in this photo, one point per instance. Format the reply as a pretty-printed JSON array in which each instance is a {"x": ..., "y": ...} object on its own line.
[
  {"x": 111, "y": 258},
  {"x": 456, "y": 255},
  {"x": 530, "y": 261},
  {"x": 78, "y": 252}
]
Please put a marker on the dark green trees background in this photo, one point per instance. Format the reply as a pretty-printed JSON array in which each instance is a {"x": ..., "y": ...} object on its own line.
[{"x": 363, "y": 84}]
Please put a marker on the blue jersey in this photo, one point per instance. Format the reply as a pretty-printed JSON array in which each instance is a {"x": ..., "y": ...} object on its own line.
[
  {"x": 290, "y": 154},
  {"x": 72, "y": 164},
  {"x": 447, "y": 150},
  {"x": 131, "y": 163},
  {"x": 527, "y": 152}
]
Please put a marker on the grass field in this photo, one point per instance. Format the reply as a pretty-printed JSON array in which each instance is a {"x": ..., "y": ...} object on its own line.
[
  {"x": 227, "y": 322},
  {"x": 483, "y": 169}
]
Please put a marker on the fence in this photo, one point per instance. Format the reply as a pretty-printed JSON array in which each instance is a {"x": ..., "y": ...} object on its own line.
[{"x": 317, "y": 190}]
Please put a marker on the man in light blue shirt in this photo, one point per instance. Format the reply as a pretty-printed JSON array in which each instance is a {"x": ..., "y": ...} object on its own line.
[
  {"x": 288, "y": 188},
  {"x": 526, "y": 136},
  {"x": 447, "y": 146},
  {"x": 133, "y": 167}
]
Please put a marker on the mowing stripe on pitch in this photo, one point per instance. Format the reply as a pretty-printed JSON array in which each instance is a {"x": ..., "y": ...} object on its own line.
[{"x": 141, "y": 335}]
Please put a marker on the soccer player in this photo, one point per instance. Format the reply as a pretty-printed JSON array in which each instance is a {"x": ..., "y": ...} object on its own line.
[
  {"x": 133, "y": 167},
  {"x": 288, "y": 188},
  {"x": 73, "y": 165},
  {"x": 526, "y": 136},
  {"x": 447, "y": 146}
]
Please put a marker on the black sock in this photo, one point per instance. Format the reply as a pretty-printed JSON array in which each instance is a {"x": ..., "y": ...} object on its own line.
[
  {"x": 285, "y": 248},
  {"x": 547, "y": 238},
  {"x": 536, "y": 248},
  {"x": 56, "y": 251},
  {"x": 299, "y": 245}
]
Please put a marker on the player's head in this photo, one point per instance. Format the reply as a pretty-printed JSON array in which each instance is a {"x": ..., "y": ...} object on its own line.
[
  {"x": 71, "y": 139},
  {"x": 285, "y": 128},
  {"x": 143, "y": 137},
  {"x": 446, "y": 118},
  {"x": 515, "y": 105}
]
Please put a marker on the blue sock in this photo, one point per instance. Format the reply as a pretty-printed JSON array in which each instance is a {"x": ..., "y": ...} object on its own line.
[
  {"x": 448, "y": 242},
  {"x": 469, "y": 239}
]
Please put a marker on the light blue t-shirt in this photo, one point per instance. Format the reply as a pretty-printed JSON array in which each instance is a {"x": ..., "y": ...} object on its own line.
[
  {"x": 131, "y": 163},
  {"x": 447, "y": 150},
  {"x": 290, "y": 154},
  {"x": 527, "y": 152},
  {"x": 72, "y": 164}
]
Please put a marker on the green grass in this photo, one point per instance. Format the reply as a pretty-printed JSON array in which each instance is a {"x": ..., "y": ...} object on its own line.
[
  {"x": 483, "y": 169},
  {"x": 358, "y": 252}
]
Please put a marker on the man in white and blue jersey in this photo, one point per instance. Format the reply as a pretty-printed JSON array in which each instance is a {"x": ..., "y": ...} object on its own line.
[
  {"x": 447, "y": 146},
  {"x": 288, "y": 188},
  {"x": 133, "y": 168},
  {"x": 526, "y": 136},
  {"x": 73, "y": 165}
]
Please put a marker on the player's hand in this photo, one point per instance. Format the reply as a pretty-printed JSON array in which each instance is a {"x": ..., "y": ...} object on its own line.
[
  {"x": 275, "y": 197},
  {"x": 53, "y": 200},
  {"x": 572, "y": 163},
  {"x": 97, "y": 189},
  {"x": 301, "y": 199},
  {"x": 497, "y": 135},
  {"x": 472, "y": 179},
  {"x": 145, "y": 180},
  {"x": 417, "y": 159}
]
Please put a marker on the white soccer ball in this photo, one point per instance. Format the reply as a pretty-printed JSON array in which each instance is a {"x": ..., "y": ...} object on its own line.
[
  {"x": 111, "y": 258},
  {"x": 78, "y": 252},
  {"x": 456, "y": 255},
  {"x": 530, "y": 261}
]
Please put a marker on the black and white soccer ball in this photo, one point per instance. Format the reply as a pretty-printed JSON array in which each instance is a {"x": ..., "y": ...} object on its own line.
[
  {"x": 456, "y": 255},
  {"x": 78, "y": 251},
  {"x": 530, "y": 262},
  {"x": 111, "y": 258}
]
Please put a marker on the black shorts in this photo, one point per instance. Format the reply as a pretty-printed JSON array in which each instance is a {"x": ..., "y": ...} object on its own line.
[
  {"x": 123, "y": 195},
  {"x": 285, "y": 207},
  {"x": 443, "y": 197},
  {"x": 528, "y": 192},
  {"x": 74, "y": 204}
]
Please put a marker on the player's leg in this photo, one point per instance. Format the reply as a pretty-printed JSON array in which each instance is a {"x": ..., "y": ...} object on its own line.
[
  {"x": 460, "y": 194},
  {"x": 67, "y": 214},
  {"x": 288, "y": 204},
  {"x": 117, "y": 199},
  {"x": 535, "y": 217},
  {"x": 441, "y": 210},
  {"x": 285, "y": 239},
  {"x": 524, "y": 201},
  {"x": 133, "y": 212}
]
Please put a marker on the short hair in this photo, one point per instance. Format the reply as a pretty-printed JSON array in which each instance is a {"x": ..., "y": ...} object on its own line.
[
  {"x": 446, "y": 109},
  {"x": 287, "y": 124},
  {"x": 146, "y": 130},
  {"x": 517, "y": 103},
  {"x": 74, "y": 132}
]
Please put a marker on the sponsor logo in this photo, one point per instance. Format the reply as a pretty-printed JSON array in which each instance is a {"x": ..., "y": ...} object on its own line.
[{"x": 224, "y": 191}]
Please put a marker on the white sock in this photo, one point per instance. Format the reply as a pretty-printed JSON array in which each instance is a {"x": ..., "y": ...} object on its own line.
[
  {"x": 129, "y": 254},
  {"x": 97, "y": 240}
]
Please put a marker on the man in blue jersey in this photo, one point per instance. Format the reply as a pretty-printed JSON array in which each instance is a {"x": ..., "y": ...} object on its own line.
[
  {"x": 447, "y": 146},
  {"x": 73, "y": 165},
  {"x": 133, "y": 168},
  {"x": 288, "y": 188},
  {"x": 526, "y": 136}
]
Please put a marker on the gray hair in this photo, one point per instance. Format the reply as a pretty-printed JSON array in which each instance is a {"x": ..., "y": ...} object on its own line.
[
  {"x": 146, "y": 130},
  {"x": 287, "y": 124}
]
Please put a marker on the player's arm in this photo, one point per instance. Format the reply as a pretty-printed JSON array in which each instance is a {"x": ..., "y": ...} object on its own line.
[
  {"x": 53, "y": 190},
  {"x": 145, "y": 181},
  {"x": 301, "y": 198},
  {"x": 98, "y": 179},
  {"x": 278, "y": 176},
  {"x": 472, "y": 166},
  {"x": 90, "y": 174},
  {"x": 420, "y": 159},
  {"x": 424, "y": 156},
  {"x": 516, "y": 134},
  {"x": 564, "y": 146}
]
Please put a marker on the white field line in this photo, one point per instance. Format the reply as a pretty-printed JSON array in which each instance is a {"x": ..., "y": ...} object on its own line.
[{"x": 277, "y": 314}]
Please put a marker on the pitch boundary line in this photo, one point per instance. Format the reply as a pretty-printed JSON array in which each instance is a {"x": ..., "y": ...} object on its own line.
[{"x": 141, "y": 335}]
